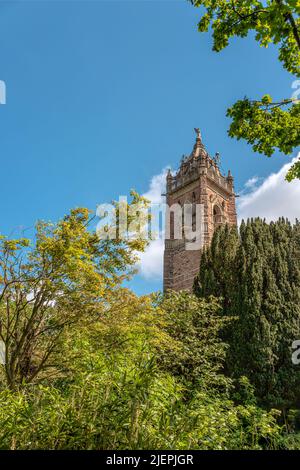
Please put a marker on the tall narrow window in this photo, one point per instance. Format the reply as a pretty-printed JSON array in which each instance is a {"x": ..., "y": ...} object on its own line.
[{"x": 194, "y": 212}]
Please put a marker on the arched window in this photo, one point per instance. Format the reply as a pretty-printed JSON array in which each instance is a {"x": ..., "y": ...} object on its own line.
[
  {"x": 182, "y": 217},
  {"x": 188, "y": 217},
  {"x": 194, "y": 212},
  {"x": 218, "y": 216},
  {"x": 174, "y": 220}
]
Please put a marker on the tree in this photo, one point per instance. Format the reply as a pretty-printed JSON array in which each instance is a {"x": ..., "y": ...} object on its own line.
[
  {"x": 265, "y": 124},
  {"x": 258, "y": 279},
  {"x": 194, "y": 324},
  {"x": 119, "y": 394},
  {"x": 66, "y": 276}
]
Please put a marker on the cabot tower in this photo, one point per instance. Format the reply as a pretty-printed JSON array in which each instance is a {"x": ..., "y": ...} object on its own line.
[{"x": 198, "y": 181}]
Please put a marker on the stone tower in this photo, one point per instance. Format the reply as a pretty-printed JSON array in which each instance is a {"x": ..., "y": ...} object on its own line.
[{"x": 198, "y": 181}]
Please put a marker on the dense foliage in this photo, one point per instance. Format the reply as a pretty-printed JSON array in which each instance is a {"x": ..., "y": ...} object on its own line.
[
  {"x": 119, "y": 389},
  {"x": 256, "y": 271},
  {"x": 89, "y": 365}
]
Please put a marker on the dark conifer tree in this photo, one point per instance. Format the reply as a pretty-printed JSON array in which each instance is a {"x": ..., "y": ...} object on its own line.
[{"x": 257, "y": 273}]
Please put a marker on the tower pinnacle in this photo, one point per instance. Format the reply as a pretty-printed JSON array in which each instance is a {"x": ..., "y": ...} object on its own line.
[{"x": 198, "y": 132}]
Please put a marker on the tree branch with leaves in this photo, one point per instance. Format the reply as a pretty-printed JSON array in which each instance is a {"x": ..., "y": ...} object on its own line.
[{"x": 265, "y": 125}]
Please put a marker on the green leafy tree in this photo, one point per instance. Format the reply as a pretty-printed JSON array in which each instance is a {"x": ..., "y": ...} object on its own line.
[
  {"x": 263, "y": 123},
  {"x": 65, "y": 277}
]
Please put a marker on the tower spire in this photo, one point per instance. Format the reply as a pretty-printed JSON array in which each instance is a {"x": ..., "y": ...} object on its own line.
[{"x": 199, "y": 149}]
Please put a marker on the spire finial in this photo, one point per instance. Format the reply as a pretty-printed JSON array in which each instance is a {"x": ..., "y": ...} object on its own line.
[{"x": 197, "y": 130}]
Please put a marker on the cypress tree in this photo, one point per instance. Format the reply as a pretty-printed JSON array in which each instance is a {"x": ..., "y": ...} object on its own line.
[{"x": 257, "y": 273}]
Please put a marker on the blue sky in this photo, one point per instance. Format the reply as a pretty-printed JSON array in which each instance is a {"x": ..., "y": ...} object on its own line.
[{"x": 102, "y": 95}]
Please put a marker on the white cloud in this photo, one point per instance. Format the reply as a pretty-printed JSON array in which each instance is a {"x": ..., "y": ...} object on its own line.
[
  {"x": 273, "y": 198},
  {"x": 157, "y": 187},
  {"x": 151, "y": 261},
  {"x": 251, "y": 183}
]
